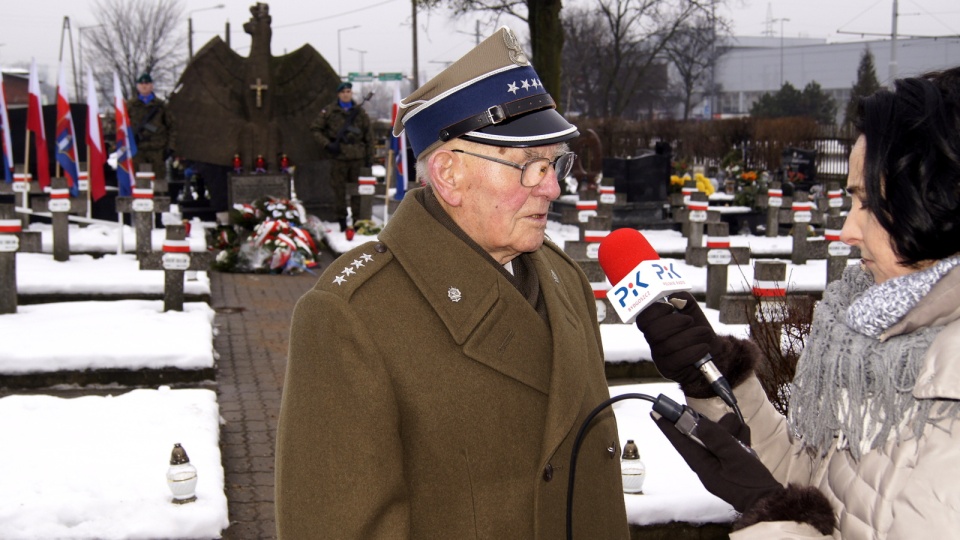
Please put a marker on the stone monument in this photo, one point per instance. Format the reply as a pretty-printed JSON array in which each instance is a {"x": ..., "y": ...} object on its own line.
[{"x": 259, "y": 105}]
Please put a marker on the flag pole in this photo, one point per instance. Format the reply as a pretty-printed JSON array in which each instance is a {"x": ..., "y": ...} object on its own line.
[
  {"x": 89, "y": 182},
  {"x": 26, "y": 170},
  {"x": 386, "y": 192}
]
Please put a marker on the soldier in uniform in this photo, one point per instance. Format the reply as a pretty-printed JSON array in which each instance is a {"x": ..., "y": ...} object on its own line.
[
  {"x": 343, "y": 131},
  {"x": 437, "y": 378},
  {"x": 153, "y": 127}
]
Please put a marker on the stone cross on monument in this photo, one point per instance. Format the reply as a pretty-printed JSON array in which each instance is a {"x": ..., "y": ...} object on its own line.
[{"x": 259, "y": 88}]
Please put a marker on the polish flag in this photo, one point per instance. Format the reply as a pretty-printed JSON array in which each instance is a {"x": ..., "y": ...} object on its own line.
[
  {"x": 95, "y": 144},
  {"x": 35, "y": 124}
]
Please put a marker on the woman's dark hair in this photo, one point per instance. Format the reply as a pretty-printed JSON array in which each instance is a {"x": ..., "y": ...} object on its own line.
[{"x": 912, "y": 164}]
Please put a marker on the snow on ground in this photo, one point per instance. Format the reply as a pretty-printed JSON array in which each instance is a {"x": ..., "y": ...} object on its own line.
[
  {"x": 119, "y": 334},
  {"x": 95, "y": 467},
  {"x": 103, "y": 237}
]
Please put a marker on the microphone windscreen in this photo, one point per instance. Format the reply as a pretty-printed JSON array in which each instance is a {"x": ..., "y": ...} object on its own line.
[{"x": 621, "y": 251}]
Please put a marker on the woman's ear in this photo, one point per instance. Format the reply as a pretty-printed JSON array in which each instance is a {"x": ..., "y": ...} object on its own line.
[{"x": 446, "y": 176}]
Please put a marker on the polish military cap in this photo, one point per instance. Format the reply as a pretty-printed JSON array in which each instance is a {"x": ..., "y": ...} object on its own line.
[{"x": 491, "y": 95}]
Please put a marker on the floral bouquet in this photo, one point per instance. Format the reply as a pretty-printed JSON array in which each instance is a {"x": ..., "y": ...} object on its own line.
[{"x": 270, "y": 235}]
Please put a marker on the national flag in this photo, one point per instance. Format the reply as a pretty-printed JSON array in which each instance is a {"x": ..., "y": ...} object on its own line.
[
  {"x": 126, "y": 147},
  {"x": 399, "y": 146},
  {"x": 6, "y": 148},
  {"x": 35, "y": 124},
  {"x": 95, "y": 144},
  {"x": 66, "y": 137}
]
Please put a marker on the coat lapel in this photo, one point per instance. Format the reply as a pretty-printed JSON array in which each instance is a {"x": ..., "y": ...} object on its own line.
[
  {"x": 478, "y": 306},
  {"x": 570, "y": 355}
]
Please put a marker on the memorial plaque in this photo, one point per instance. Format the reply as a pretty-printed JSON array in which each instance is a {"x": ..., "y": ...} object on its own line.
[{"x": 244, "y": 189}]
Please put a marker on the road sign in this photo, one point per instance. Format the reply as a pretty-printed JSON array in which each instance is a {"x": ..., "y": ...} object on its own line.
[
  {"x": 361, "y": 77},
  {"x": 390, "y": 76}
]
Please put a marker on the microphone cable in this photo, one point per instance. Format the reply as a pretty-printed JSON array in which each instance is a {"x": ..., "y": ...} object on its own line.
[{"x": 683, "y": 417}]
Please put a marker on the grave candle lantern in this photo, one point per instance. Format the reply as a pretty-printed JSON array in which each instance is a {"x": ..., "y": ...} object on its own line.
[{"x": 181, "y": 476}]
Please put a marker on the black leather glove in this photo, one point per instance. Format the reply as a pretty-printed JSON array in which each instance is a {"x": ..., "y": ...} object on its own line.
[
  {"x": 333, "y": 147},
  {"x": 679, "y": 335},
  {"x": 726, "y": 467},
  {"x": 731, "y": 471}
]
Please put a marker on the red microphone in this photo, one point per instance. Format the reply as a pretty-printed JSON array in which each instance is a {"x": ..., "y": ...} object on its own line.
[
  {"x": 637, "y": 275},
  {"x": 639, "y": 278}
]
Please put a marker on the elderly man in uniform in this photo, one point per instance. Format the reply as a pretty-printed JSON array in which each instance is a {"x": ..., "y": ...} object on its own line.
[
  {"x": 437, "y": 378},
  {"x": 343, "y": 130},
  {"x": 153, "y": 127}
]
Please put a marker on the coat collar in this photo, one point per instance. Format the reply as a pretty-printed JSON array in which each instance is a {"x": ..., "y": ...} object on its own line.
[
  {"x": 939, "y": 375},
  {"x": 446, "y": 267}
]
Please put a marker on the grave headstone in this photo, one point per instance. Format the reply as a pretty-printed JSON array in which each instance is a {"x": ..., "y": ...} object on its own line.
[
  {"x": 143, "y": 204},
  {"x": 13, "y": 239},
  {"x": 366, "y": 188},
  {"x": 175, "y": 260}
]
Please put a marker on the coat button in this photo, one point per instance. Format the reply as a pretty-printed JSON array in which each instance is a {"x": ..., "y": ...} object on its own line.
[
  {"x": 548, "y": 473},
  {"x": 380, "y": 247}
]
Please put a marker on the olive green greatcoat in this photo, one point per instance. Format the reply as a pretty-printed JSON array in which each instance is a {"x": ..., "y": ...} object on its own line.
[
  {"x": 425, "y": 398},
  {"x": 154, "y": 130}
]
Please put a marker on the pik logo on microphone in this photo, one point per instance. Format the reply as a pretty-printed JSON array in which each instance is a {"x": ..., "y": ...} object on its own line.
[{"x": 647, "y": 283}]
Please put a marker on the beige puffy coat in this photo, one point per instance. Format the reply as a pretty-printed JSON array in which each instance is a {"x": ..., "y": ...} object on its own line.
[{"x": 903, "y": 490}]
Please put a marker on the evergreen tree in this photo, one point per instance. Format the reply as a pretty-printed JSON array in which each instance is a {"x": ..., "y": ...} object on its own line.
[
  {"x": 866, "y": 84},
  {"x": 788, "y": 101}
]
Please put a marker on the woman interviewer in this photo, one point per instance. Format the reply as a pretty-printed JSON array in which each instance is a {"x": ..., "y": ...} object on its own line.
[{"x": 871, "y": 445}]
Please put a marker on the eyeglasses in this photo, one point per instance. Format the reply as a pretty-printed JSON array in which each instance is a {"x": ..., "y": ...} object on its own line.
[{"x": 534, "y": 171}]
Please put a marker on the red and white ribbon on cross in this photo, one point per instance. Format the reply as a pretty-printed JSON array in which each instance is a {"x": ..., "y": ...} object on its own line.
[
  {"x": 832, "y": 235},
  {"x": 60, "y": 193},
  {"x": 835, "y": 198},
  {"x": 768, "y": 288},
  {"x": 608, "y": 194},
  {"x": 586, "y": 205},
  {"x": 368, "y": 185},
  {"x": 775, "y": 197},
  {"x": 59, "y": 200},
  {"x": 594, "y": 236},
  {"x": 11, "y": 226},
  {"x": 802, "y": 212},
  {"x": 176, "y": 246},
  {"x": 142, "y": 193},
  {"x": 718, "y": 242}
]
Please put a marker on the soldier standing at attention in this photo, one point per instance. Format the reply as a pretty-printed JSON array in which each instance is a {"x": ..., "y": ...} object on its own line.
[
  {"x": 153, "y": 127},
  {"x": 343, "y": 131}
]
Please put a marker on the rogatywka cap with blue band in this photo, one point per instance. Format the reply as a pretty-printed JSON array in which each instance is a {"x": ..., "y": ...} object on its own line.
[{"x": 491, "y": 95}]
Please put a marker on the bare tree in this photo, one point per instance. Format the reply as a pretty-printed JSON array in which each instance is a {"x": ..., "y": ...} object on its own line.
[
  {"x": 627, "y": 40},
  {"x": 543, "y": 21},
  {"x": 694, "y": 52},
  {"x": 134, "y": 37}
]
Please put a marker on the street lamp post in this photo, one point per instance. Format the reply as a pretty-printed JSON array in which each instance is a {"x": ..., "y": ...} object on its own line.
[
  {"x": 339, "y": 60},
  {"x": 80, "y": 30},
  {"x": 190, "y": 26},
  {"x": 361, "y": 57}
]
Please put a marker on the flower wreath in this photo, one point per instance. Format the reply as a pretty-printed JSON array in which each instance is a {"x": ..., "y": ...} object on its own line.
[{"x": 270, "y": 235}]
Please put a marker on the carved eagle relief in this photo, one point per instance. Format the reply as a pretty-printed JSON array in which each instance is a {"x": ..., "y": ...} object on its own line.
[{"x": 225, "y": 104}]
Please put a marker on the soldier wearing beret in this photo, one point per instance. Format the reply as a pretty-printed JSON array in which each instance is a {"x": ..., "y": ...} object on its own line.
[
  {"x": 344, "y": 132},
  {"x": 153, "y": 127},
  {"x": 437, "y": 378}
]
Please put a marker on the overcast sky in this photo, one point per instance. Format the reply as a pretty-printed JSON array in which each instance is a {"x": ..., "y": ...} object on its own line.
[{"x": 33, "y": 29}]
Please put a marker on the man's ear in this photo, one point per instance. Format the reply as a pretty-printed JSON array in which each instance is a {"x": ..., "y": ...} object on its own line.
[{"x": 446, "y": 176}]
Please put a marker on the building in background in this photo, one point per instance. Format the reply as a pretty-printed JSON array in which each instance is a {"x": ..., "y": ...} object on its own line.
[{"x": 754, "y": 66}]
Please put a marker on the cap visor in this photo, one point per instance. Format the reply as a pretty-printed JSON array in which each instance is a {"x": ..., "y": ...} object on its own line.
[{"x": 535, "y": 129}]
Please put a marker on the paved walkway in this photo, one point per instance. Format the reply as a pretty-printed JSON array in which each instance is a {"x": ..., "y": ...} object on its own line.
[{"x": 252, "y": 324}]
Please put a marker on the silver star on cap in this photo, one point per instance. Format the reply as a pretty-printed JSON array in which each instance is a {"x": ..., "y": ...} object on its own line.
[
  {"x": 525, "y": 84},
  {"x": 454, "y": 294},
  {"x": 512, "y": 88}
]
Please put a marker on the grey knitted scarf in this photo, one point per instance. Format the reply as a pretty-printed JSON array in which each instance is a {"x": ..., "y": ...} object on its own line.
[{"x": 852, "y": 385}]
